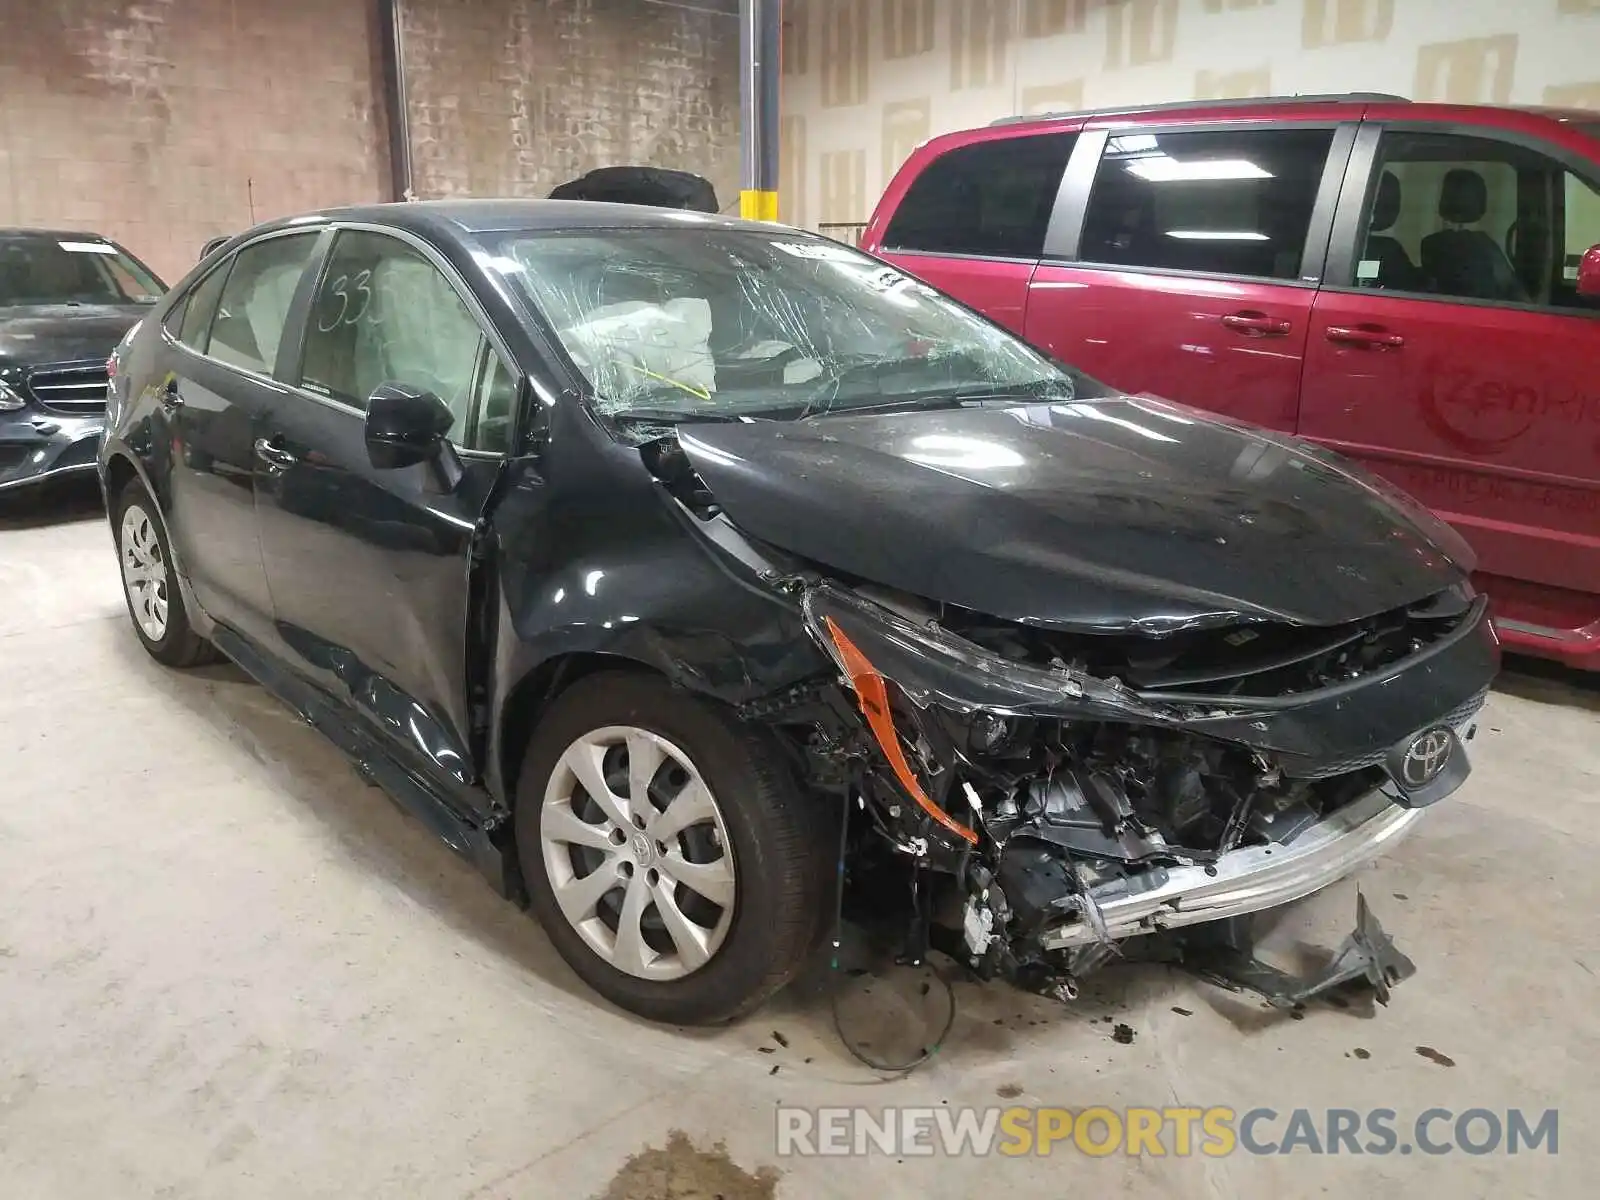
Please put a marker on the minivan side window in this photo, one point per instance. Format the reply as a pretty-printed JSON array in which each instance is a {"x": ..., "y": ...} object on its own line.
[
  {"x": 1234, "y": 202},
  {"x": 1474, "y": 218},
  {"x": 992, "y": 199},
  {"x": 384, "y": 313},
  {"x": 255, "y": 301}
]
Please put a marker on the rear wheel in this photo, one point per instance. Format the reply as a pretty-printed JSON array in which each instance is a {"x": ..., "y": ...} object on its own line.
[
  {"x": 667, "y": 851},
  {"x": 150, "y": 586}
]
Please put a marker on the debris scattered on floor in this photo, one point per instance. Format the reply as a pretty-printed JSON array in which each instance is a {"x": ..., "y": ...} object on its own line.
[
  {"x": 767, "y": 1049},
  {"x": 1122, "y": 1034},
  {"x": 1182, "y": 1012},
  {"x": 780, "y": 1039},
  {"x": 1433, "y": 1056},
  {"x": 1362, "y": 1053},
  {"x": 1401, "y": 896},
  {"x": 775, "y": 1069},
  {"x": 1008, "y": 1091},
  {"x": 683, "y": 1171}
]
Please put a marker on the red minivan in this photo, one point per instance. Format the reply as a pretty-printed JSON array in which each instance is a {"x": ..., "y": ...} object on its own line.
[{"x": 1414, "y": 285}]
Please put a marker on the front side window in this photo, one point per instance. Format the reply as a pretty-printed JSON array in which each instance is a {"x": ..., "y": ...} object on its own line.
[
  {"x": 255, "y": 302},
  {"x": 991, "y": 199},
  {"x": 1476, "y": 219},
  {"x": 384, "y": 313},
  {"x": 1224, "y": 203},
  {"x": 717, "y": 324},
  {"x": 46, "y": 269}
]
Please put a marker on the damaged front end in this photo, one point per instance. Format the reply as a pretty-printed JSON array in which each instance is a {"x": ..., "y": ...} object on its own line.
[{"x": 1059, "y": 793}]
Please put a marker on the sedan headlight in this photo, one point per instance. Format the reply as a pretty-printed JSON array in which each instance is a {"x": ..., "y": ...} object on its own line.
[{"x": 9, "y": 400}]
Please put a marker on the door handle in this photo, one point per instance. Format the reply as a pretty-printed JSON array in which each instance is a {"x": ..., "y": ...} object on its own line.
[
  {"x": 273, "y": 455},
  {"x": 1368, "y": 337},
  {"x": 170, "y": 398},
  {"x": 1256, "y": 324}
]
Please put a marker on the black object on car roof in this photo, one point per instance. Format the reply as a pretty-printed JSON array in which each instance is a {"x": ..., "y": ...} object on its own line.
[{"x": 658, "y": 187}]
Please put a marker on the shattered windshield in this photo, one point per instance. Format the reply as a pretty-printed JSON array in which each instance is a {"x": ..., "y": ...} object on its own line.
[
  {"x": 43, "y": 269},
  {"x": 716, "y": 324}
]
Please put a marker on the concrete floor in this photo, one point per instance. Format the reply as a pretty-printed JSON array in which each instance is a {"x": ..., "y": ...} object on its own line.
[{"x": 230, "y": 969}]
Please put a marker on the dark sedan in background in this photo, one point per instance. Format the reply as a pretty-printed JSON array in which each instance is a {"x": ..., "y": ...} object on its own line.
[
  {"x": 66, "y": 300},
  {"x": 639, "y": 550}
]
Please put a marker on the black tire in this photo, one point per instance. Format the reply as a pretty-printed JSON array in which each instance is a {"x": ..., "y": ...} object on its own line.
[
  {"x": 179, "y": 645},
  {"x": 778, "y": 836}
]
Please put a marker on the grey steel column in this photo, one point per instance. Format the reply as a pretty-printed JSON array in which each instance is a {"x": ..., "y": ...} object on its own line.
[
  {"x": 394, "y": 99},
  {"x": 760, "y": 39}
]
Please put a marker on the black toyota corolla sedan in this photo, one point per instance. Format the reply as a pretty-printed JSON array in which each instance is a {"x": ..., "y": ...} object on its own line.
[
  {"x": 65, "y": 299},
  {"x": 652, "y": 558}
]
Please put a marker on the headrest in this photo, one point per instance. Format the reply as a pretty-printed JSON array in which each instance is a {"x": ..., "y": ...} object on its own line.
[
  {"x": 1387, "y": 205},
  {"x": 1463, "y": 197}
]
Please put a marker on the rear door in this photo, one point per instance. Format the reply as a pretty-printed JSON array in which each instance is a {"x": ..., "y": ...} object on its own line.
[
  {"x": 1463, "y": 365},
  {"x": 972, "y": 220},
  {"x": 218, "y": 370},
  {"x": 1185, "y": 259},
  {"x": 370, "y": 568}
]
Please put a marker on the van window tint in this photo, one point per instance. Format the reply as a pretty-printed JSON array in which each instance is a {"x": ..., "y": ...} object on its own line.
[
  {"x": 255, "y": 301},
  {"x": 1226, "y": 203},
  {"x": 990, "y": 198},
  {"x": 1476, "y": 219}
]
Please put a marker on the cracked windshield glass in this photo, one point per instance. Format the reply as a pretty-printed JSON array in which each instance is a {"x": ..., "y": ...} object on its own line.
[{"x": 709, "y": 324}]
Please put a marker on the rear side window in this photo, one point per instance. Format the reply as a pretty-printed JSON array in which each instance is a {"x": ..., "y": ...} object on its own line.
[
  {"x": 1234, "y": 202},
  {"x": 255, "y": 301},
  {"x": 991, "y": 199},
  {"x": 199, "y": 307}
]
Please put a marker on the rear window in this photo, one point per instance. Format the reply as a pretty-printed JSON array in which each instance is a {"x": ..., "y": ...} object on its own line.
[{"x": 991, "y": 199}]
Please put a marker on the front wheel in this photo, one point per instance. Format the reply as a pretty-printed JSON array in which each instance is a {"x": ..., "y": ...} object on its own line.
[
  {"x": 150, "y": 585},
  {"x": 667, "y": 851}
]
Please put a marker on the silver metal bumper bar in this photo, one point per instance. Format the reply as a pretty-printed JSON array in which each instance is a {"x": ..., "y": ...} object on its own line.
[{"x": 1251, "y": 879}]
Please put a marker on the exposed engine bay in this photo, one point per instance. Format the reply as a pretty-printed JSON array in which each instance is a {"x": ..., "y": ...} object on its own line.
[{"x": 1038, "y": 841}]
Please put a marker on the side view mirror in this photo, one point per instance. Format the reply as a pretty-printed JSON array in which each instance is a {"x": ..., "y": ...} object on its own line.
[
  {"x": 1589, "y": 273},
  {"x": 406, "y": 426}
]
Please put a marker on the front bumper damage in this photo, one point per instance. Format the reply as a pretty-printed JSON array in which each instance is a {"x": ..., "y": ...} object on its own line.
[{"x": 1068, "y": 812}]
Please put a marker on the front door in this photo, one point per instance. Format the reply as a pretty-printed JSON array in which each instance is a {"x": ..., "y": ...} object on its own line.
[
  {"x": 219, "y": 383},
  {"x": 1190, "y": 277},
  {"x": 370, "y": 568},
  {"x": 1453, "y": 355}
]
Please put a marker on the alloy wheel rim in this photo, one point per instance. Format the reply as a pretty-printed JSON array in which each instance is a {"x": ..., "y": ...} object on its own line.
[
  {"x": 144, "y": 573},
  {"x": 637, "y": 853}
]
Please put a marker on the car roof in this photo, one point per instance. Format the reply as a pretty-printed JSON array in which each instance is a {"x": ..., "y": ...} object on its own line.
[
  {"x": 1254, "y": 108},
  {"x": 68, "y": 234},
  {"x": 454, "y": 217}
]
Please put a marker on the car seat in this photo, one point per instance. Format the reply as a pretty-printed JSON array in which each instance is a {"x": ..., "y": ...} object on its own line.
[
  {"x": 1467, "y": 262},
  {"x": 1395, "y": 268}
]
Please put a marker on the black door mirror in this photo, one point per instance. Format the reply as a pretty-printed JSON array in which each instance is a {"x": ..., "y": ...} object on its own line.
[{"x": 405, "y": 426}]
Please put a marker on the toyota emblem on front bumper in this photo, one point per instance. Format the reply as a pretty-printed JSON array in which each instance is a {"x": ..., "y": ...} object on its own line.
[{"x": 1425, "y": 758}]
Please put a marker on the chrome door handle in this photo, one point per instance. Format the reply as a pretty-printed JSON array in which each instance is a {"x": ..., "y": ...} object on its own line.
[{"x": 273, "y": 455}]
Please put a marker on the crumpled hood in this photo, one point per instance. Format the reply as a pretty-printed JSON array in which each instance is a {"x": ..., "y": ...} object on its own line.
[
  {"x": 1097, "y": 515},
  {"x": 48, "y": 333}
]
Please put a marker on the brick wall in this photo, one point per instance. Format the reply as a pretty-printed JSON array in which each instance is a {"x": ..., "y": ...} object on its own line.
[
  {"x": 511, "y": 97},
  {"x": 163, "y": 122}
]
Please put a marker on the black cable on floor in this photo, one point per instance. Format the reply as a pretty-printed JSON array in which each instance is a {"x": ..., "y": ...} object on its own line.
[{"x": 833, "y": 992}]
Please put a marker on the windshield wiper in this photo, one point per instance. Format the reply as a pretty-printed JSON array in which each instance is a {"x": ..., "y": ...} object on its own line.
[{"x": 668, "y": 416}]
